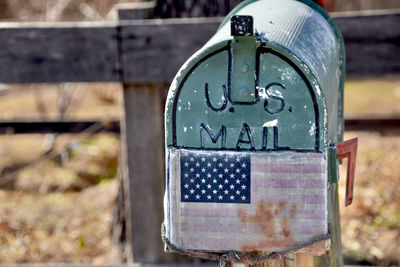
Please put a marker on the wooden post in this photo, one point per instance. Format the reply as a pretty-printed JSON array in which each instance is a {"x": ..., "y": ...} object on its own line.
[
  {"x": 143, "y": 172},
  {"x": 143, "y": 163}
]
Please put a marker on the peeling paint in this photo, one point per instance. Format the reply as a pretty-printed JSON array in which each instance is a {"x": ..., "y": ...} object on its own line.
[{"x": 271, "y": 123}]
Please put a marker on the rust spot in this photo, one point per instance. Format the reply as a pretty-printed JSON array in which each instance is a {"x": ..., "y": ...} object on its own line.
[
  {"x": 286, "y": 228},
  {"x": 293, "y": 211},
  {"x": 267, "y": 217},
  {"x": 282, "y": 205},
  {"x": 242, "y": 215}
]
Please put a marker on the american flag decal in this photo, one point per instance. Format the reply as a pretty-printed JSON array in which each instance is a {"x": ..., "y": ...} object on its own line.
[
  {"x": 215, "y": 177},
  {"x": 245, "y": 201}
]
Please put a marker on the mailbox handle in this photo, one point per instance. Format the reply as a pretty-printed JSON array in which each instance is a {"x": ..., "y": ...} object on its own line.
[{"x": 348, "y": 149}]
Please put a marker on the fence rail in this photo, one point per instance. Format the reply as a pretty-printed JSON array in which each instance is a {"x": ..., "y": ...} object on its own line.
[
  {"x": 113, "y": 126},
  {"x": 153, "y": 50}
]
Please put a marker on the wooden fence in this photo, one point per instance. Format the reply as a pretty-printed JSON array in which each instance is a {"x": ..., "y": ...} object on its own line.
[{"x": 144, "y": 56}]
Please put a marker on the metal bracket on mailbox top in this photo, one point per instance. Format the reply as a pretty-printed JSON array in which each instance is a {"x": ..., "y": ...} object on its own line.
[{"x": 243, "y": 85}]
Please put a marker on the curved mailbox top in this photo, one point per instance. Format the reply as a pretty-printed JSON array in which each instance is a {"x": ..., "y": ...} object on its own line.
[
  {"x": 295, "y": 44},
  {"x": 247, "y": 121}
]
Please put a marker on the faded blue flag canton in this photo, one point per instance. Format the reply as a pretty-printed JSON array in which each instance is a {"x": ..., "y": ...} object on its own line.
[{"x": 215, "y": 177}]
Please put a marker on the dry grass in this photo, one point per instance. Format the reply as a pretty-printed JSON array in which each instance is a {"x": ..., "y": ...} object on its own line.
[
  {"x": 372, "y": 98},
  {"x": 83, "y": 101},
  {"x": 57, "y": 227},
  {"x": 62, "y": 211},
  {"x": 371, "y": 225},
  {"x": 59, "y": 208}
]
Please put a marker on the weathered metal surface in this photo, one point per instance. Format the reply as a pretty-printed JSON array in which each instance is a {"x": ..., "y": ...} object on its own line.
[{"x": 297, "y": 108}]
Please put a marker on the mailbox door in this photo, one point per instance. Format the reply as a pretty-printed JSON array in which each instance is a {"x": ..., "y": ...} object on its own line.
[{"x": 246, "y": 176}]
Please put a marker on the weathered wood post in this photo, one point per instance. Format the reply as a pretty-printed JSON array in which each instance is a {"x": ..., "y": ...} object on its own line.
[{"x": 143, "y": 160}]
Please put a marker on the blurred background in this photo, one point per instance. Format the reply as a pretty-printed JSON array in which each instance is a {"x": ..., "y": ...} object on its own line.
[{"x": 58, "y": 192}]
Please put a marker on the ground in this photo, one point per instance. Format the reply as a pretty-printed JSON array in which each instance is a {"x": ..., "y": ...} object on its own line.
[{"x": 57, "y": 205}]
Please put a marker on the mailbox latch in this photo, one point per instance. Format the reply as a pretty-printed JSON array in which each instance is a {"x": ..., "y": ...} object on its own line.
[{"x": 243, "y": 84}]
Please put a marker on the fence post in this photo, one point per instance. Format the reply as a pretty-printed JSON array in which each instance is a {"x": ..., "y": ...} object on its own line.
[{"x": 143, "y": 166}]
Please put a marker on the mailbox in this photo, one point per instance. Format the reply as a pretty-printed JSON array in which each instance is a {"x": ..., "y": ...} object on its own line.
[{"x": 252, "y": 123}]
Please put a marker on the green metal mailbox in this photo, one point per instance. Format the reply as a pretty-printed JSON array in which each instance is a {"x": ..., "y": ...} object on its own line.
[{"x": 252, "y": 121}]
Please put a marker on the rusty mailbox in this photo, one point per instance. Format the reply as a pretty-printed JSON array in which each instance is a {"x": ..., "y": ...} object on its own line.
[{"x": 252, "y": 122}]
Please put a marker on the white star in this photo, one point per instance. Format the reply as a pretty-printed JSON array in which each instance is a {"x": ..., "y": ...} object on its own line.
[
  {"x": 232, "y": 175},
  {"x": 220, "y": 197},
  {"x": 226, "y": 159},
  {"x": 238, "y": 181},
  {"x": 237, "y": 170},
  {"x": 232, "y": 165},
  {"x": 186, "y": 164},
  {"x": 208, "y": 175},
  {"x": 208, "y": 197},
  {"x": 191, "y": 159},
  {"x": 197, "y": 196},
  {"x": 209, "y": 186},
  {"x": 232, "y": 186},
  {"x": 214, "y": 159},
  {"x": 203, "y": 191},
  {"x": 220, "y": 186},
  {"x": 220, "y": 175},
  {"x": 244, "y": 187},
  {"x": 191, "y": 170},
  {"x": 197, "y": 186},
  {"x": 192, "y": 180},
  {"x": 237, "y": 192},
  {"x": 244, "y": 165},
  {"x": 203, "y": 159},
  {"x": 237, "y": 159},
  {"x": 226, "y": 192},
  {"x": 215, "y": 191},
  {"x": 215, "y": 181},
  {"x": 203, "y": 170},
  {"x": 244, "y": 175},
  {"x": 214, "y": 170},
  {"x": 186, "y": 196},
  {"x": 220, "y": 164},
  {"x": 186, "y": 175},
  {"x": 243, "y": 197},
  {"x": 197, "y": 175},
  {"x": 197, "y": 164},
  {"x": 226, "y": 181},
  {"x": 203, "y": 181},
  {"x": 208, "y": 164},
  {"x": 226, "y": 170},
  {"x": 232, "y": 197},
  {"x": 191, "y": 191},
  {"x": 186, "y": 186}
]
